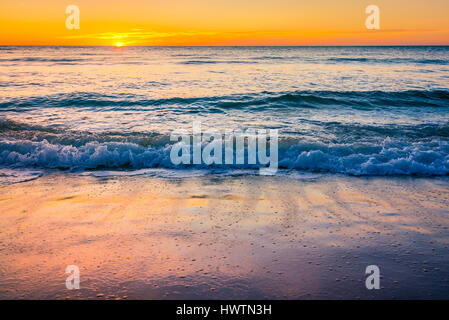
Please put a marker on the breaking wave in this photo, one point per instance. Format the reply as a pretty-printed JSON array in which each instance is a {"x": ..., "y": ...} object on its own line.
[{"x": 387, "y": 158}]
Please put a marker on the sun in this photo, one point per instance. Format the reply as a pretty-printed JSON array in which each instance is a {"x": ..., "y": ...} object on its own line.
[{"x": 119, "y": 44}]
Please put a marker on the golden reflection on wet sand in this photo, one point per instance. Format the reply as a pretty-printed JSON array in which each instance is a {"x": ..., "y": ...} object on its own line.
[{"x": 216, "y": 237}]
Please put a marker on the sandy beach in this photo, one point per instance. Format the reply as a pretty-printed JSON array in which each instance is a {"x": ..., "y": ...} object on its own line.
[{"x": 215, "y": 237}]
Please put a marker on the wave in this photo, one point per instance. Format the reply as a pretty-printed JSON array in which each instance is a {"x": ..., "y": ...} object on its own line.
[
  {"x": 308, "y": 60},
  {"x": 389, "y": 157},
  {"x": 389, "y": 60},
  {"x": 9, "y": 176},
  {"x": 216, "y": 62},
  {"x": 253, "y": 101},
  {"x": 324, "y": 130},
  {"x": 39, "y": 59}
]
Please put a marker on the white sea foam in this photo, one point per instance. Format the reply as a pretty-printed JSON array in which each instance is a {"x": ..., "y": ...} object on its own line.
[{"x": 387, "y": 158}]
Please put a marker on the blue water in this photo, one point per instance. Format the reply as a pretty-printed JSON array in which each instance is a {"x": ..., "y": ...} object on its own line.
[{"x": 347, "y": 110}]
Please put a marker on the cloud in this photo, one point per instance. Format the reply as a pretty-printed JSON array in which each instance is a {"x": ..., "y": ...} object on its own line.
[
  {"x": 141, "y": 37},
  {"x": 137, "y": 35}
]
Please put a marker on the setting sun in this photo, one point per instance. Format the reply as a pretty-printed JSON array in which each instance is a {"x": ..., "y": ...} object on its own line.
[{"x": 119, "y": 44}]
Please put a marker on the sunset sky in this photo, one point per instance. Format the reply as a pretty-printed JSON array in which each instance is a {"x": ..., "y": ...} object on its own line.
[{"x": 224, "y": 22}]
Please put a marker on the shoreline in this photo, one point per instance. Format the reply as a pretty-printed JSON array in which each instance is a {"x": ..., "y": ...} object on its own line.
[{"x": 215, "y": 237}]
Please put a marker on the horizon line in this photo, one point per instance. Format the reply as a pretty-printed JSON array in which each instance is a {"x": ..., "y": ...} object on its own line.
[{"x": 129, "y": 46}]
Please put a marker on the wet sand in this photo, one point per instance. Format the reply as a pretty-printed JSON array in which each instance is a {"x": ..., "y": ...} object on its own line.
[{"x": 211, "y": 237}]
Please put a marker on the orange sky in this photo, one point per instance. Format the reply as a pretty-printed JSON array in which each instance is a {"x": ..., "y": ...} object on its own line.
[{"x": 224, "y": 22}]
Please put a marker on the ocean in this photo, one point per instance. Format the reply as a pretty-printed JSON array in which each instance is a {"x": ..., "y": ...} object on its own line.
[
  {"x": 87, "y": 181},
  {"x": 360, "y": 111}
]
